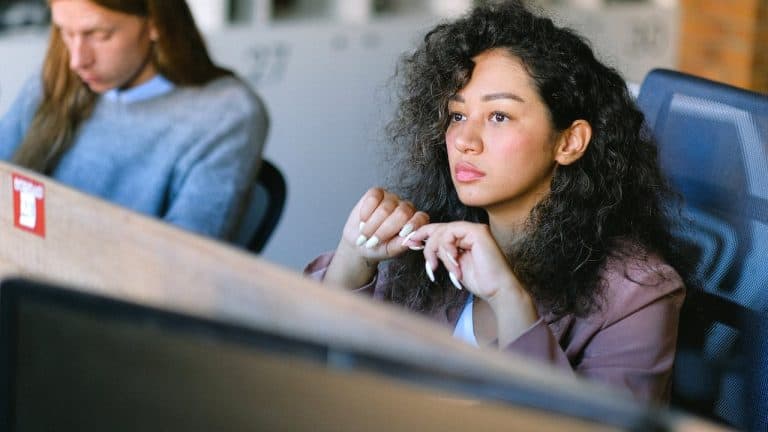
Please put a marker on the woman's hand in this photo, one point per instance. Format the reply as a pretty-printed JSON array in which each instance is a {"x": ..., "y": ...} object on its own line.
[
  {"x": 375, "y": 231},
  {"x": 474, "y": 261},
  {"x": 470, "y": 253}
]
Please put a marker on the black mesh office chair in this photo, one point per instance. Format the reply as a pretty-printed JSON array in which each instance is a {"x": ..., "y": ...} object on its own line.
[
  {"x": 265, "y": 207},
  {"x": 713, "y": 144}
]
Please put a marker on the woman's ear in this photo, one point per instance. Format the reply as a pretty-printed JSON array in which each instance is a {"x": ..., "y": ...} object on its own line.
[{"x": 573, "y": 142}]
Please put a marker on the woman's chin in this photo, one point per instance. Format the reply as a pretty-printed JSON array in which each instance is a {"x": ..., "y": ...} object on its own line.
[{"x": 472, "y": 200}]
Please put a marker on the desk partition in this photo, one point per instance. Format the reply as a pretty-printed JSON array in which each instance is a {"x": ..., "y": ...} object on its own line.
[{"x": 52, "y": 233}]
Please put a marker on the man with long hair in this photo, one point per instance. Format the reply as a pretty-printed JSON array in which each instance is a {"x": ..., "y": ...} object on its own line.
[{"x": 129, "y": 107}]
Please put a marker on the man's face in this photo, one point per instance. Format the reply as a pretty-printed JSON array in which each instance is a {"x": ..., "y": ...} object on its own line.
[{"x": 107, "y": 49}]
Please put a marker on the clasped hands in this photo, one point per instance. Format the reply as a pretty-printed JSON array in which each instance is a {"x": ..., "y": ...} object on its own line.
[{"x": 382, "y": 226}]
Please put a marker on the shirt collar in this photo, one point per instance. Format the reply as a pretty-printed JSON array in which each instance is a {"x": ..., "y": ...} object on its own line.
[{"x": 156, "y": 86}]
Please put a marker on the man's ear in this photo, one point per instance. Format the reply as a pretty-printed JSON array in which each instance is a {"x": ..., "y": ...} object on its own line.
[{"x": 573, "y": 142}]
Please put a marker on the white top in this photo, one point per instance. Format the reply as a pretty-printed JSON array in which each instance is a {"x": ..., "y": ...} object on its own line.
[
  {"x": 465, "y": 328},
  {"x": 157, "y": 86}
]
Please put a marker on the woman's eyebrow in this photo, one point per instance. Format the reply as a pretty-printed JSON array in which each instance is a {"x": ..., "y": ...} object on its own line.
[
  {"x": 490, "y": 97},
  {"x": 503, "y": 95}
]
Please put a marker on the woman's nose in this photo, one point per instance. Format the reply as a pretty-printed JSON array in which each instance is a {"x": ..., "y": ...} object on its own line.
[{"x": 467, "y": 138}]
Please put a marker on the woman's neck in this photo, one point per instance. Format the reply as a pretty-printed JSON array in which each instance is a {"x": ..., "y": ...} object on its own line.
[
  {"x": 508, "y": 220},
  {"x": 507, "y": 233}
]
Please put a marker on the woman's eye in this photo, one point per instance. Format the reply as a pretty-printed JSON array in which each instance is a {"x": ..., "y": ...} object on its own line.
[
  {"x": 499, "y": 117},
  {"x": 456, "y": 117}
]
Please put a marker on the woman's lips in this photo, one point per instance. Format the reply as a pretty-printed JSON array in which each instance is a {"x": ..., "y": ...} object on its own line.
[{"x": 466, "y": 172}]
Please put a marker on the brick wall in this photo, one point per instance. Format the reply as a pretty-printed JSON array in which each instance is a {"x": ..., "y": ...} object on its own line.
[{"x": 726, "y": 41}]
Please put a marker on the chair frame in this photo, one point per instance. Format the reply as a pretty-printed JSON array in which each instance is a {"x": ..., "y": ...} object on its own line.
[{"x": 274, "y": 182}]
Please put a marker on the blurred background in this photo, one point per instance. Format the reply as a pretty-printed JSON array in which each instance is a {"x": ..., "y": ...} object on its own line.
[{"x": 325, "y": 68}]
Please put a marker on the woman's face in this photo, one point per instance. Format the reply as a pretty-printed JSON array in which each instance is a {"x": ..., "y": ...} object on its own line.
[
  {"x": 500, "y": 140},
  {"x": 107, "y": 49}
]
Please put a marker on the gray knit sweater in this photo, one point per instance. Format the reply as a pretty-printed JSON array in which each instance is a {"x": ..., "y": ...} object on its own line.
[{"x": 188, "y": 156}]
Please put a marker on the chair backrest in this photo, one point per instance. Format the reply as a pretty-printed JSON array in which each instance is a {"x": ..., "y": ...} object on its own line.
[
  {"x": 264, "y": 208},
  {"x": 757, "y": 382},
  {"x": 713, "y": 145}
]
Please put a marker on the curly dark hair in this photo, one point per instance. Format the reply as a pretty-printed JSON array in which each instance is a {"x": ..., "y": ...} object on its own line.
[{"x": 614, "y": 196}]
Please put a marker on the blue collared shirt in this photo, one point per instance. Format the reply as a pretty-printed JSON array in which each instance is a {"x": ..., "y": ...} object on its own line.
[{"x": 156, "y": 86}]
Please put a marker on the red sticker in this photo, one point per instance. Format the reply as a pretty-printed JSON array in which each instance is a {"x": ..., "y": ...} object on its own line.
[{"x": 28, "y": 204}]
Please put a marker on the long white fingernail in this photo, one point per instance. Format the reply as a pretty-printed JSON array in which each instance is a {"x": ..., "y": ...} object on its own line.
[
  {"x": 362, "y": 225},
  {"x": 413, "y": 248},
  {"x": 450, "y": 258},
  {"x": 406, "y": 231},
  {"x": 454, "y": 280},
  {"x": 372, "y": 242},
  {"x": 361, "y": 240},
  {"x": 430, "y": 275}
]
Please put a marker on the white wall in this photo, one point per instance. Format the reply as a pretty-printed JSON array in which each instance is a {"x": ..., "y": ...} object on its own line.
[
  {"x": 22, "y": 54},
  {"x": 633, "y": 38},
  {"x": 326, "y": 88}
]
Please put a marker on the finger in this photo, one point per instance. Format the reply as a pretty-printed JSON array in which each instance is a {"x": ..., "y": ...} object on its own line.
[
  {"x": 412, "y": 240},
  {"x": 448, "y": 253},
  {"x": 420, "y": 235},
  {"x": 467, "y": 235},
  {"x": 442, "y": 246},
  {"x": 448, "y": 258},
  {"x": 455, "y": 281},
  {"x": 363, "y": 210},
  {"x": 431, "y": 260},
  {"x": 430, "y": 269},
  {"x": 408, "y": 228},
  {"x": 369, "y": 202},
  {"x": 392, "y": 225},
  {"x": 384, "y": 210}
]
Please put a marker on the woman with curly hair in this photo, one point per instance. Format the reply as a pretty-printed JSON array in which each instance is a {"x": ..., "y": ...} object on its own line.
[{"x": 531, "y": 213}]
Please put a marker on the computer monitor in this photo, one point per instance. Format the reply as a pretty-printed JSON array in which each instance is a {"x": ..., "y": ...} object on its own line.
[{"x": 76, "y": 361}]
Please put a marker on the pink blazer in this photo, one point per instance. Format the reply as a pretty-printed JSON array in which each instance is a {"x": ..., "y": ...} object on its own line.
[{"x": 629, "y": 343}]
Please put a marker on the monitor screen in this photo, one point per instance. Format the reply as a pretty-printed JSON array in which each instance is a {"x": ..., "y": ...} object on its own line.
[{"x": 75, "y": 361}]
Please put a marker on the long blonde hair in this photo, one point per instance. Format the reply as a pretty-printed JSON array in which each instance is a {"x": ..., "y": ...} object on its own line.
[{"x": 179, "y": 54}]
